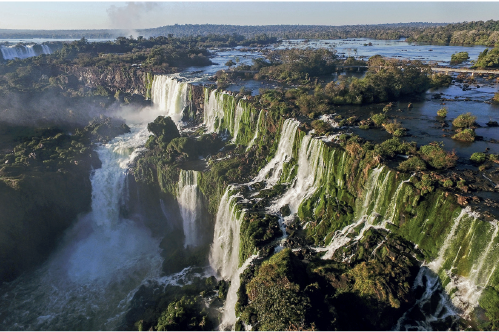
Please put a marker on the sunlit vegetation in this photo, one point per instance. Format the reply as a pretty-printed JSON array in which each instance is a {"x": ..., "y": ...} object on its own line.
[
  {"x": 488, "y": 58},
  {"x": 458, "y": 58},
  {"x": 466, "y": 33},
  {"x": 442, "y": 112}
]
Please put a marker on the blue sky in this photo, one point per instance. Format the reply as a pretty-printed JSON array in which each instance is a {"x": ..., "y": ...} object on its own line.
[{"x": 136, "y": 15}]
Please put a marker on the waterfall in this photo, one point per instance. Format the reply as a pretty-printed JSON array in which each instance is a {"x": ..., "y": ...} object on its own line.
[
  {"x": 229, "y": 312},
  {"x": 224, "y": 253},
  {"x": 433, "y": 306},
  {"x": 170, "y": 96},
  {"x": 103, "y": 259},
  {"x": 257, "y": 127},
  {"x": 352, "y": 233},
  {"x": 237, "y": 121},
  {"x": 189, "y": 202},
  {"x": 17, "y": 52},
  {"x": 213, "y": 110},
  {"x": 437, "y": 263},
  {"x": 283, "y": 155},
  {"x": 309, "y": 173},
  {"x": 46, "y": 49}
]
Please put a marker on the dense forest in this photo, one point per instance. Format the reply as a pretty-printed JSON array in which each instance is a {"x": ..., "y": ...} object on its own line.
[
  {"x": 466, "y": 33},
  {"x": 380, "y": 31}
]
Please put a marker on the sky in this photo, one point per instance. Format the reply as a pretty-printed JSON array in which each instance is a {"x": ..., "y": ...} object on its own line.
[{"x": 139, "y": 15}]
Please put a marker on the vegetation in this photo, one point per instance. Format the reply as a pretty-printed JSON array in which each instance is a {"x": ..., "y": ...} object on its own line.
[
  {"x": 488, "y": 58},
  {"x": 458, "y": 58},
  {"x": 293, "y": 65},
  {"x": 395, "y": 128},
  {"x": 442, "y": 112},
  {"x": 466, "y": 33},
  {"x": 466, "y": 120},
  {"x": 478, "y": 157}
]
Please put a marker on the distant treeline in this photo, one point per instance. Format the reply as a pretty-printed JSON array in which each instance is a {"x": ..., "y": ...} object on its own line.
[
  {"x": 466, "y": 33},
  {"x": 380, "y": 31}
]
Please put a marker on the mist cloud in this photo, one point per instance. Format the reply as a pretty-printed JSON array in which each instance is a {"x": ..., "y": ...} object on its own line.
[{"x": 132, "y": 16}]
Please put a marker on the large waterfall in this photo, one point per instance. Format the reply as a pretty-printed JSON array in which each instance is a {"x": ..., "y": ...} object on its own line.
[
  {"x": 213, "y": 110},
  {"x": 22, "y": 51},
  {"x": 104, "y": 257},
  {"x": 189, "y": 202},
  {"x": 309, "y": 173},
  {"x": 224, "y": 254},
  {"x": 169, "y": 95},
  {"x": 271, "y": 173}
]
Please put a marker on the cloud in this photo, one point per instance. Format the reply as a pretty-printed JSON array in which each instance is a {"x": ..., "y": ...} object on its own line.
[{"x": 132, "y": 16}]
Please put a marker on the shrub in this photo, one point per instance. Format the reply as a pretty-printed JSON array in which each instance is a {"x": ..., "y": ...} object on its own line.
[
  {"x": 394, "y": 128},
  {"x": 442, "y": 112},
  {"x": 493, "y": 157},
  {"x": 478, "y": 157},
  {"x": 393, "y": 146},
  {"x": 465, "y": 135},
  {"x": 378, "y": 119},
  {"x": 320, "y": 127},
  {"x": 425, "y": 184},
  {"x": 412, "y": 164},
  {"x": 437, "y": 157},
  {"x": 440, "y": 79},
  {"x": 458, "y": 58},
  {"x": 448, "y": 183},
  {"x": 464, "y": 120}
]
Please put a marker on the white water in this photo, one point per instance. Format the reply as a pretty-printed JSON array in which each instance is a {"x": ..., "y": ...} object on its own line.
[
  {"x": 425, "y": 305},
  {"x": 46, "y": 49},
  {"x": 351, "y": 233},
  {"x": 88, "y": 283},
  {"x": 229, "y": 312},
  {"x": 250, "y": 144},
  {"x": 189, "y": 202},
  {"x": 283, "y": 155},
  {"x": 170, "y": 96},
  {"x": 237, "y": 121},
  {"x": 213, "y": 110},
  {"x": 21, "y": 52},
  {"x": 224, "y": 253},
  {"x": 437, "y": 263}
]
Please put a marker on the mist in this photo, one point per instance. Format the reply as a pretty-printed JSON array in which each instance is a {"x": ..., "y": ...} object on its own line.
[{"x": 131, "y": 16}]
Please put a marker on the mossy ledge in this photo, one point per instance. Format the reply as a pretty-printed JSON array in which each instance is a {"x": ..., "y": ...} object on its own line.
[{"x": 351, "y": 183}]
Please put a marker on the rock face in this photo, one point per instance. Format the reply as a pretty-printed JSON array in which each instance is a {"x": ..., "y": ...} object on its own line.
[
  {"x": 36, "y": 208},
  {"x": 127, "y": 80}
]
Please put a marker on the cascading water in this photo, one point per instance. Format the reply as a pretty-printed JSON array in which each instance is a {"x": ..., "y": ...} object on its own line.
[
  {"x": 189, "y": 202},
  {"x": 46, "y": 49},
  {"x": 237, "y": 121},
  {"x": 284, "y": 154},
  {"x": 169, "y": 95},
  {"x": 250, "y": 144},
  {"x": 17, "y": 52},
  {"x": 351, "y": 233},
  {"x": 229, "y": 312},
  {"x": 89, "y": 281},
  {"x": 213, "y": 110},
  {"x": 224, "y": 253},
  {"x": 309, "y": 173}
]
